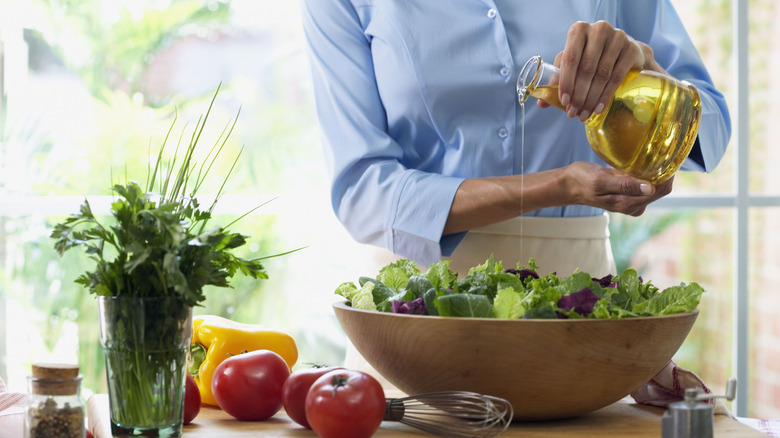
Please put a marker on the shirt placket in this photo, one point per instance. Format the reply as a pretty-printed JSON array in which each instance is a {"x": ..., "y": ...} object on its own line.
[{"x": 504, "y": 69}]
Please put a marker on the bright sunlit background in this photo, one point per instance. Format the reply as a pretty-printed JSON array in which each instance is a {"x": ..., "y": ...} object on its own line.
[{"x": 89, "y": 87}]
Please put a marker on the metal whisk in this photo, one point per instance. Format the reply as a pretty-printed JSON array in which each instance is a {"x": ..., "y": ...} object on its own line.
[{"x": 452, "y": 413}]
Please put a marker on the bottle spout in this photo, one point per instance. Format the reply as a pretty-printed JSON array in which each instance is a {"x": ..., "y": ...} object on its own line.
[
  {"x": 540, "y": 80},
  {"x": 528, "y": 78}
]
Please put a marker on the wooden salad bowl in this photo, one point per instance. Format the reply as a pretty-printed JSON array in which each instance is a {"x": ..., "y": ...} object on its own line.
[{"x": 547, "y": 368}]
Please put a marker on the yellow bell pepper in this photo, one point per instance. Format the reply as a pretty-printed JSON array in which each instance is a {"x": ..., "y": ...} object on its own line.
[{"x": 214, "y": 339}]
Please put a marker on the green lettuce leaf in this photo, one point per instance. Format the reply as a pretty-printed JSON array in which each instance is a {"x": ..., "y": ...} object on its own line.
[
  {"x": 383, "y": 294},
  {"x": 362, "y": 298},
  {"x": 397, "y": 274},
  {"x": 347, "y": 290},
  {"x": 464, "y": 305},
  {"x": 418, "y": 285},
  {"x": 487, "y": 278},
  {"x": 631, "y": 290},
  {"x": 574, "y": 282},
  {"x": 441, "y": 276},
  {"x": 543, "y": 310},
  {"x": 489, "y": 267},
  {"x": 430, "y": 298},
  {"x": 508, "y": 304},
  {"x": 676, "y": 299},
  {"x": 542, "y": 294}
]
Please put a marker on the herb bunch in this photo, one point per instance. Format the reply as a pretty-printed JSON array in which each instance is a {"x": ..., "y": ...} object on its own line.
[{"x": 160, "y": 244}]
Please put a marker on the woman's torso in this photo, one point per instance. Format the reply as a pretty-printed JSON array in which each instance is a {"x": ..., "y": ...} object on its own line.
[{"x": 446, "y": 73}]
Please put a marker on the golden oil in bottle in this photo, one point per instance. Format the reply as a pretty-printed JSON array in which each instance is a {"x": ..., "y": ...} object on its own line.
[{"x": 646, "y": 131}]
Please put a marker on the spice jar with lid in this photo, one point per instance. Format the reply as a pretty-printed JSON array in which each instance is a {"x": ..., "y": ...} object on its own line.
[{"x": 55, "y": 409}]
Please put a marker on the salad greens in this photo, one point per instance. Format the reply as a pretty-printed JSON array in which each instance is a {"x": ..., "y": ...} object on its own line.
[{"x": 490, "y": 291}]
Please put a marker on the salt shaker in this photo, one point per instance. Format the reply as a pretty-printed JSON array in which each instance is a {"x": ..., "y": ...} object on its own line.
[{"x": 55, "y": 409}]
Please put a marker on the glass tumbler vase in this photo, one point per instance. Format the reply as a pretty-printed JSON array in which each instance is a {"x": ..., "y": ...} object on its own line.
[{"x": 145, "y": 342}]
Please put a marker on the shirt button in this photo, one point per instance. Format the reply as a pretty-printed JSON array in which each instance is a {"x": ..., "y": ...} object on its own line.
[
  {"x": 503, "y": 133},
  {"x": 504, "y": 71},
  {"x": 492, "y": 13}
]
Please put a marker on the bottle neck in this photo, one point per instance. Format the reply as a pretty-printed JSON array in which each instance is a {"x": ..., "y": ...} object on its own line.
[{"x": 540, "y": 80}]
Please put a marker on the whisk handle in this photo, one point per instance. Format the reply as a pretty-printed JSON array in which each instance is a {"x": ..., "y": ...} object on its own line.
[{"x": 394, "y": 409}]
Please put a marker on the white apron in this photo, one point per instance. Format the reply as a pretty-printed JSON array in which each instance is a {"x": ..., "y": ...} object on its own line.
[{"x": 558, "y": 244}]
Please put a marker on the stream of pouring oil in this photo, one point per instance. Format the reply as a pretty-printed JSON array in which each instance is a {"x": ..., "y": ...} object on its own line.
[{"x": 522, "y": 172}]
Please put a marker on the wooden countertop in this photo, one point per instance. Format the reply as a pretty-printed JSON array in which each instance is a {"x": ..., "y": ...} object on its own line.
[{"x": 621, "y": 419}]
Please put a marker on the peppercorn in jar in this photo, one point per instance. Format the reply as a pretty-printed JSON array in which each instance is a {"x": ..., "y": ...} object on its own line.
[{"x": 55, "y": 409}]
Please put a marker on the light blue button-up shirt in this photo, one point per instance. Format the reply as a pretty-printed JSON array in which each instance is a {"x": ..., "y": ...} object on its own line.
[{"x": 414, "y": 96}]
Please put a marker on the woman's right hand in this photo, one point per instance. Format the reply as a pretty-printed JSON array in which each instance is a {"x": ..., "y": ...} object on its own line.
[
  {"x": 610, "y": 189},
  {"x": 594, "y": 62}
]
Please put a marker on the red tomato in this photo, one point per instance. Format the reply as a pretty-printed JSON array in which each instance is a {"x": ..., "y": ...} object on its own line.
[
  {"x": 295, "y": 389},
  {"x": 248, "y": 386},
  {"x": 345, "y": 404},
  {"x": 191, "y": 399}
]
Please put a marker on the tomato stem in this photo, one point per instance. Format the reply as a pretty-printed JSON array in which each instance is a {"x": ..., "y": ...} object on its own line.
[{"x": 338, "y": 381}]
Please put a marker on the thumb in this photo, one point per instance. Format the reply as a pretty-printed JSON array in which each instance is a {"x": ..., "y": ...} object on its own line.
[
  {"x": 635, "y": 187},
  {"x": 646, "y": 188}
]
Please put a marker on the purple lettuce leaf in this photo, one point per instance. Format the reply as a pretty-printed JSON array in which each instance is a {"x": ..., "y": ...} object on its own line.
[
  {"x": 414, "y": 307},
  {"x": 581, "y": 302},
  {"x": 523, "y": 273},
  {"x": 605, "y": 281}
]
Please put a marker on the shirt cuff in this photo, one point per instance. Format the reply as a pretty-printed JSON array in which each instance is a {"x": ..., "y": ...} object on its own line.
[{"x": 418, "y": 227}]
